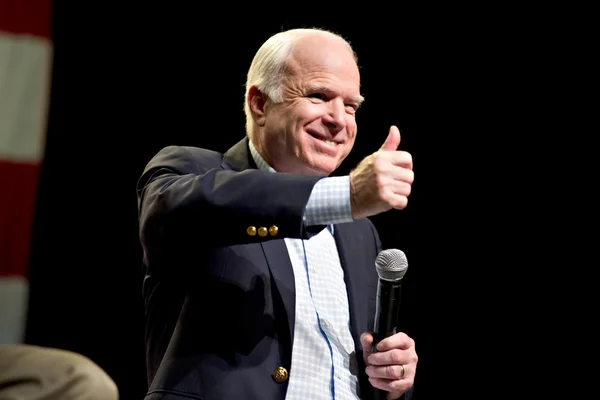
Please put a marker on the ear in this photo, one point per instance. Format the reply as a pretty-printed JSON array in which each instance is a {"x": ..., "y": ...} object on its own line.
[{"x": 256, "y": 102}]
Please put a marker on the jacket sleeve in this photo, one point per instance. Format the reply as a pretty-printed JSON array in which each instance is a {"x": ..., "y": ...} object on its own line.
[{"x": 185, "y": 195}]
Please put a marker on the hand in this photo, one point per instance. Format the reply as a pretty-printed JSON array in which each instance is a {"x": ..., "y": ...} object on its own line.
[
  {"x": 383, "y": 180},
  {"x": 384, "y": 367}
]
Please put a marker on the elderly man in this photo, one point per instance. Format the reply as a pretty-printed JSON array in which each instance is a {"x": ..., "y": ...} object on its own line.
[{"x": 260, "y": 279}]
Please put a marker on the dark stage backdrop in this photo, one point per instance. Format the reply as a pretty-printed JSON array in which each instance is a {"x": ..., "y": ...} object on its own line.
[{"x": 128, "y": 80}]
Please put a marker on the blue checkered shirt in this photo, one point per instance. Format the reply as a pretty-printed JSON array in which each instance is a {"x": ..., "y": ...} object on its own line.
[{"x": 323, "y": 349}]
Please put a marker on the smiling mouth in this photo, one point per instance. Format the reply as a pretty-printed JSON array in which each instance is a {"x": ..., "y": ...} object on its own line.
[{"x": 328, "y": 142}]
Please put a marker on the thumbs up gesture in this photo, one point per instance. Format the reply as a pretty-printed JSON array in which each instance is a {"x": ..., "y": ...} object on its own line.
[{"x": 382, "y": 180}]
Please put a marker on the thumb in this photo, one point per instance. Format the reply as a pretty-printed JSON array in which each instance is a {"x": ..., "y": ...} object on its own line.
[
  {"x": 366, "y": 341},
  {"x": 393, "y": 140}
]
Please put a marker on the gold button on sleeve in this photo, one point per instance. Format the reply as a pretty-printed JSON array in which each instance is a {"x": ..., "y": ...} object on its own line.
[
  {"x": 251, "y": 231},
  {"x": 273, "y": 230},
  {"x": 262, "y": 231}
]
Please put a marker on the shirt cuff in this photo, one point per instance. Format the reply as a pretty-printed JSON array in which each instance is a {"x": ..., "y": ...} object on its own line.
[{"x": 329, "y": 202}]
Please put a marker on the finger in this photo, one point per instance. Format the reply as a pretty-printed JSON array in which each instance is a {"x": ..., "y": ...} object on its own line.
[
  {"x": 388, "y": 358},
  {"x": 402, "y": 159},
  {"x": 400, "y": 174},
  {"x": 366, "y": 341},
  {"x": 399, "y": 340},
  {"x": 395, "y": 387},
  {"x": 391, "y": 372},
  {"x": 396, "y": 201},
  {"x": 396, "y": 180},
  {"x": 392, "y": 141},
  {"x": 379, "y": 383},
  {"x": 399, "y": 188}
]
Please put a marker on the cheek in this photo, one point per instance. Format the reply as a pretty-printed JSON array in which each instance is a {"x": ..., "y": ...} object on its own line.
[
  {"x": 351, "y": 127},
  {"x": 351, "y": 136}
]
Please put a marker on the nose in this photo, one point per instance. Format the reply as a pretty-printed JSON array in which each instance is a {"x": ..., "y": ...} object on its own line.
[{"x": 336, "y": 115}]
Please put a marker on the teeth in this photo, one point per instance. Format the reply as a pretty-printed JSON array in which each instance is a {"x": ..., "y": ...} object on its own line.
[{"x": 330, "y": 142}]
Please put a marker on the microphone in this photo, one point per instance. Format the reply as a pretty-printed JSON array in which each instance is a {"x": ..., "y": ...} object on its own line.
[{"x": 391, "y": 266}]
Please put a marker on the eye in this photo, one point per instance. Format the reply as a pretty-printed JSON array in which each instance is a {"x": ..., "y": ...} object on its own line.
[
  {"x": 320, "y": 96},
  {"x": 351, "y": 108}
]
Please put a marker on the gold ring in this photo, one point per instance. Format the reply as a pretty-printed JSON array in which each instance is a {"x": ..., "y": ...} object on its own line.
[{"x": 402, "y": 373}]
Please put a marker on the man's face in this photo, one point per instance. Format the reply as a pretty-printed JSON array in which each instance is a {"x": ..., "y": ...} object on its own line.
[{"x": 314, "y": 128}]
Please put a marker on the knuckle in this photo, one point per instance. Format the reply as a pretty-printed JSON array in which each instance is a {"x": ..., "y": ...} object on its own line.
[
  {"x": 395, "y": 357},
  {"x": 392, "y": 371},
  {"x": 375, "y": 158},
  {"x": 379, "y": 165},
  {"x": 414, "y": 358},
  {"x": 381, "y": 185},
  {"x": 379, "y": 155}
]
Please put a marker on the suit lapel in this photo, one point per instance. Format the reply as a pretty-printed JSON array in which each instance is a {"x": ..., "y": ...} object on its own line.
[
  {"x": 281, "y": 268},
  {"x": 355, "y": 276},
  {"x": 238, "y": 157}
]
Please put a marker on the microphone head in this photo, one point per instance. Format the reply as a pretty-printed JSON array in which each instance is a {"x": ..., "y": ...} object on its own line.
[{"x": 391, "y": 264}]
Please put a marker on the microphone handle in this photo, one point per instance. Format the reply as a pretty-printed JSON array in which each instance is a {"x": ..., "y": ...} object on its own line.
[{"x": 386, "y": 318}]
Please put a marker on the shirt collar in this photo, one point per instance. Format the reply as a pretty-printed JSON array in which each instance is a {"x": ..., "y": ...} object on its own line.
[{"x": 260, "y": 162}]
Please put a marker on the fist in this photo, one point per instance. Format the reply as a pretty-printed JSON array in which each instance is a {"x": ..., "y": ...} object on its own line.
[
  {"x": 383, "y": 180},
  {"x": 394, "y": 366}
]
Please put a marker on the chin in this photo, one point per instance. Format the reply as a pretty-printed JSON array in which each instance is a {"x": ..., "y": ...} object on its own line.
[
  {"x": 321, "y": 166},
  {"x": 316, "y": 172},
  {"x": 322, "y": 170}
]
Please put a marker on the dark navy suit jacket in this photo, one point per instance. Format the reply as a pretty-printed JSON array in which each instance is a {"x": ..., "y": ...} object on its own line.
[{"x": 219, "y": 302}]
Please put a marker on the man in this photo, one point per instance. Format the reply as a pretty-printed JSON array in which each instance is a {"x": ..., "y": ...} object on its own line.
[
  {"x": 260, "y": 280},
  {"x": 44, "y": 373}
]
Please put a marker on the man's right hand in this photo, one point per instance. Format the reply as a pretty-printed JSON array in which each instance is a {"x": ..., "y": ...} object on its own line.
[{"x": 383, "y": 180}]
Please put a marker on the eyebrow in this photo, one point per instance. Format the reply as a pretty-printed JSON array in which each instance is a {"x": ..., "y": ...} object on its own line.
[{"x": 320, "y": 88}]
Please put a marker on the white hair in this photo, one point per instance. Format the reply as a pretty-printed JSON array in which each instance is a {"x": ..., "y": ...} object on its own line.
[{"x": 269, "y": 68}]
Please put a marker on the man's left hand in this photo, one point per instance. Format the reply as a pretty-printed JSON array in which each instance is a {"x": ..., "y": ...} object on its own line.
[{"x": 393, "y": 367}]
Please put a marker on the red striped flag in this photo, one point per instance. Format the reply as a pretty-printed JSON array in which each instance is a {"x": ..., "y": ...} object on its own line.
[{"x": 25, "y": 79}]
